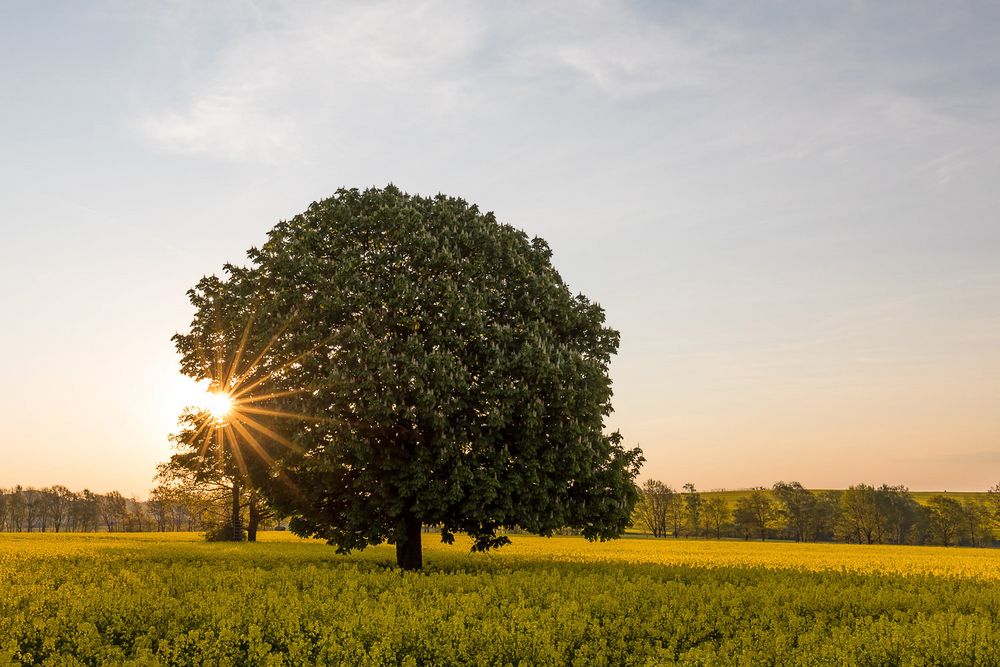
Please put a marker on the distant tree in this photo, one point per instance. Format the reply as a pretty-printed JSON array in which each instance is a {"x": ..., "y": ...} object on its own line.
[
  {"x": 653, "y": 507},
  {"x": 113, "y": 510},
  {"x": 59, "y": 505},
  {"x": 898, "y": 513},
  {"x": 756, "y": 512},
  {"x": 946, "y": 520},
  {"x": 184, "y": 513},
  {"x": 827, "y": 514},
  {"x": 186, "y": 505},
  {"x": 83, "y": 511},
  {"x": 798, "y": 507},
  {"x": 136, "y": 515},
  {"x": 861, "y": 520},
  {"x": 676, "y": 515},
  {"x": 32, "y": 508},
  {"x": 692, "y": 509},
  {"x": 46, "y": 508},
  {"x": 715, "y": 513},
  {"x": 743, "y": 518},
  {"x": 977, "y": 523},
  {"x": 159, "y": 502},
  {"x": 17, "y": 509},
  {"x": 453, "y": 378},
  {"x": 993, "y": 503}
]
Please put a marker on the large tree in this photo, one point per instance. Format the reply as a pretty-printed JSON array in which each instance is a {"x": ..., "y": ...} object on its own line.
[{"x": 440, "y": 370}]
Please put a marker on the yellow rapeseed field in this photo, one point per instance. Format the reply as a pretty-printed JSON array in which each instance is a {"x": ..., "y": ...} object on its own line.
[{"x": 172, "y": 599}]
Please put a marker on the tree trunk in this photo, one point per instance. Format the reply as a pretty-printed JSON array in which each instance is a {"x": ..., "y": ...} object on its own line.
[
  {"x": 254, "y": 518},
  {"x": 237, "y": 519},
  {"x": 408, "y": 549}
]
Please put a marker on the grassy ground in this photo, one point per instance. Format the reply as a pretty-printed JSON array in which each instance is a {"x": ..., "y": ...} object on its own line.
[{"x": 172, "y": 599}]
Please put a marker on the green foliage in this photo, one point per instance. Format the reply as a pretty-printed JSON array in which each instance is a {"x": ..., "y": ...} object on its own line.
[
  {"x": 859, "y": 514},
  {"x": 86, "y": 600},
  {"x": 715, "y": 514},
  {"x": 453, "y": 378},
  {"x": 692, "y": 509},
  {"x": 652, "y": 512},
  {"x": 756, "y": 513},
  {"x": 945, "y": 520},
  {"x": 801, "y": 510}
]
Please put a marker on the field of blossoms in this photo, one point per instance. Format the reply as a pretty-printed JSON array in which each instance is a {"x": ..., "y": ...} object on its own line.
[{"x": 172, "y": 599}]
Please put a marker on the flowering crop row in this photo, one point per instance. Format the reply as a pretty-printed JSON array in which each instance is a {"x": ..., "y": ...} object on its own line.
[{"x": 172, "y": 600}]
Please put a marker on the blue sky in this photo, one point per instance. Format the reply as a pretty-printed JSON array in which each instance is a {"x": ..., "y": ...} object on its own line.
[{"x": 788, "y": 209}]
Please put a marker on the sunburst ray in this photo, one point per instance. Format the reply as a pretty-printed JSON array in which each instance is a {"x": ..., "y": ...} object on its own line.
[
  {"x": 206, "y": 365},
  {"x": 267, "y": 348},
  {"x": 241, "y": 391},
  {"x": 219, "y": 444},
  {"x": 247, "y": 394},
  {"x": 238, "y": 355},
  {"x": 266, "y": 412},
  {"x": 205, "y": 445},
  {"x": 260, "y": 428},
  {"x": 235, "y": 448},
  {"x": 254, "y": 443},
  {"x": 272, "y": 395},
  {"x": 219, "y": 356}
]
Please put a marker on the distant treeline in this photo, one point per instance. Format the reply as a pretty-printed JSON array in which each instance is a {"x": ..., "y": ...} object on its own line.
[
  {"x": 58, "y": 509},
  {"x": 860, "y": 514}
]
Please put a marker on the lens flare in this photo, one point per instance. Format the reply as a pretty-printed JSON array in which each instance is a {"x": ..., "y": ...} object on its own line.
[
  {"x": 231, "y": 408},
  {"x": 219, "y": 405}
]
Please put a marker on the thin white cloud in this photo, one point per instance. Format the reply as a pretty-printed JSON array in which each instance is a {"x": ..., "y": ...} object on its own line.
[
  {"x": 304, "y": 66},
  {"x": 291, "y": 82},
  {"x": 624, "y": 55},
  {"x": 225, "y": 124}
]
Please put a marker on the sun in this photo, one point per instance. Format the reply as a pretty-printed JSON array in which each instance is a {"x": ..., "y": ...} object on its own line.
[
  {"x": 218, "y": 404},
  {"x": 223, "y": 409},
  {"x": 203, "y": 397}
]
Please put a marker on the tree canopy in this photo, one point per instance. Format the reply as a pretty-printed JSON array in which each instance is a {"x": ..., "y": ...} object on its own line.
[{"x": 438, "y": 369}]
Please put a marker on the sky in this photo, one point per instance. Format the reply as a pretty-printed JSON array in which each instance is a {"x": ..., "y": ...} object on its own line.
[{"x": 788, "y": 210}]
